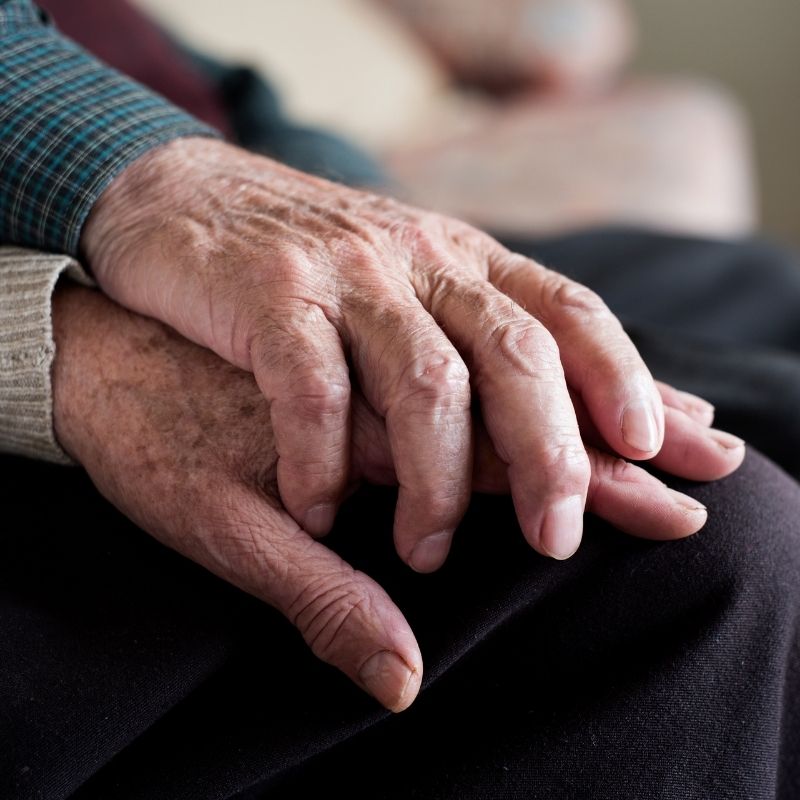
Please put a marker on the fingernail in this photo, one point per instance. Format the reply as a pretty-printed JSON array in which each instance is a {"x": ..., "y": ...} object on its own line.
[
  {"x": 726, "y": 440},
  {"x": 689, "y": 503},
  {"x": 639, "y": 428},
  {"x": 319, "y": 519},
  {"x": 698, "y": 405},
  {"x": 562, "y": 528},
  {"x": 388, "y": 679},
  {"x": 430, "y": 553}
]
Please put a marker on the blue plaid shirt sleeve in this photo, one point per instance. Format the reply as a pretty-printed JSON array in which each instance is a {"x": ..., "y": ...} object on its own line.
[{"x": 68, "y": 125}]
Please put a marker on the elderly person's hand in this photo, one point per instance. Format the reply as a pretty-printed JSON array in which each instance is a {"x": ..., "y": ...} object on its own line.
[
  {"x": 182, "y": 443},
  {"x": 305, "y": 282}
]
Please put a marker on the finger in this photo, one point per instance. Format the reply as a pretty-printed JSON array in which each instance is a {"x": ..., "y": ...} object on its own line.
[
  {"x": 344, "y": 616},
  {"x": 372, "y": 457},
  {"x": 636, "y": 503},
  {"x": 490, "y": 472},
  {"x": 372, "y": 453},
  {"x": 698, "y": 409},
  {"x": 696, "y": 452},
  {"x": 599, "y": 359},
  {"x": 300, "y": 367},
  {"x": 525, "y": 404},
  {"x": 691, "y": 449},
  {"x": 622, "y": 493},
  {"x": 414, "y": 378}
]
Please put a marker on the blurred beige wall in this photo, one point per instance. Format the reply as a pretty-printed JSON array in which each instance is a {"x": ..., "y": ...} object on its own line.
[
  {"x": 341, "y": 63},
  {"x": 753, "y": 47}
]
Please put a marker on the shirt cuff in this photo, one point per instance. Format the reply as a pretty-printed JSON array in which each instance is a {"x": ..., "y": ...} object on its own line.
[
  {"x": 27, "y": 280},
  {"x": 68, "y": 125}
]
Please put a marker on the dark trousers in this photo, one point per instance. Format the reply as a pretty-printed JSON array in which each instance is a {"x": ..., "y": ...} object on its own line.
[{"x": 634, "y": 670}]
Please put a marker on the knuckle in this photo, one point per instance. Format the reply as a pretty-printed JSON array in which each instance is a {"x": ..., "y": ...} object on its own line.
[
  {"x": 255, "y": 299},
  {"x": 570, "y": 297},
  {"x": 444, "y": 284},
  {"x": 566, "y": 463},
  {"x": 325, "y": 611},
  {"x": 318, "y": 396},
  {"x": 504, "y": 328},
  {"x": 526, "y": 345},
  {"x": 464, "y": 236},
  {"x": 525, "y": 335},
  {"x": 289, "y": 336},
  {"x": 466, "y": 240},
  {"x": 413, "y": 236},
  {"x": 441, "y": 380},
  {"x": 508, "y": 267},
  {"x": 438, "y": 244},
  {"x": 360, "y": 251},
  {"x": 621, "y": 471}
]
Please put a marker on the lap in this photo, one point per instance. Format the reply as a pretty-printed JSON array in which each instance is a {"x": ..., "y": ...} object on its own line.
[
  {"x": 127, "y": 663},
  {"x": 668, "y": 669}
]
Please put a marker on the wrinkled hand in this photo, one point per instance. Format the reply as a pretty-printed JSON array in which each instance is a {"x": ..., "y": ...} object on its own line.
[
  {"x": 301, "y": 281},
  {"x": 181, "y": 442}
]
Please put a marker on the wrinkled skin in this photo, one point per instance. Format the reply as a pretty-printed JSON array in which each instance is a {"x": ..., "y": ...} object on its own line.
[
  {"x": 306, "y": 282},
  {"x": 183, "y": 444}
]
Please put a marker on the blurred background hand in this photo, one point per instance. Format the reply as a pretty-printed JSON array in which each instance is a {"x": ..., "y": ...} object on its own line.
[
  {"x": 569, "y": 46},
  {"x": 680, "y": 114}
]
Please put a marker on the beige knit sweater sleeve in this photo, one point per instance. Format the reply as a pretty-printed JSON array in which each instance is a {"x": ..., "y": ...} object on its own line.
[{"x": 27, "y": 280}]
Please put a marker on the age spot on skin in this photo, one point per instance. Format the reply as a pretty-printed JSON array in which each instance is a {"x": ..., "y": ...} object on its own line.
[{"x": 247, "y": 410}]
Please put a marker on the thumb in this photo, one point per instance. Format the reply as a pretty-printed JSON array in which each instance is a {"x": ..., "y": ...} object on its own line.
[{"x": 345, "y": 617}]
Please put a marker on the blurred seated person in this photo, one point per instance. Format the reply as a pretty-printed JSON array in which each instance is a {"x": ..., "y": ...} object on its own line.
[{"x": 544, "y": 132}]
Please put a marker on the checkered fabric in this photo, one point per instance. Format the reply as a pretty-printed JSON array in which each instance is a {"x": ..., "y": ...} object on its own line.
[{"x": 68, "y": 125}]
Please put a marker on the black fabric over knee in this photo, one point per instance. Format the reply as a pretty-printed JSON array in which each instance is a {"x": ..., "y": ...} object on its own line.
[
  {"x": 658, "y": 667},
  {"x": 633, "y": 670}
]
